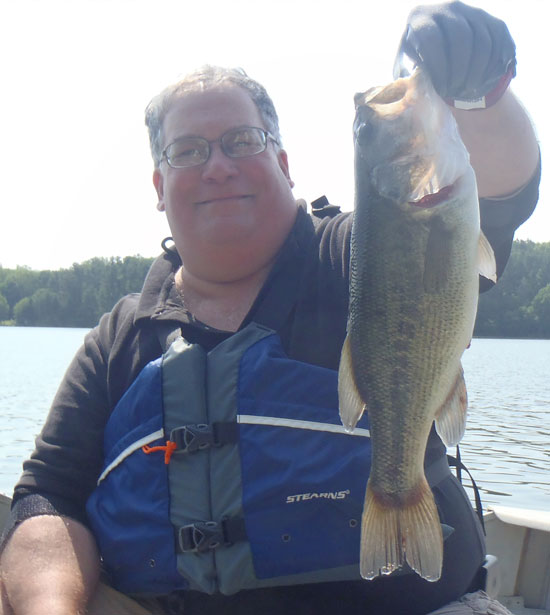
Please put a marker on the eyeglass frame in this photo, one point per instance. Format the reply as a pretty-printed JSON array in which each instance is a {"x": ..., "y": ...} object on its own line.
[{"x": 267, "y": 136}]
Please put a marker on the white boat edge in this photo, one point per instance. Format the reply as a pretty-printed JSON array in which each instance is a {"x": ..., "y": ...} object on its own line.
[
  {"x": 534, "y": 519},
  {"x": 518, "y": 540}
]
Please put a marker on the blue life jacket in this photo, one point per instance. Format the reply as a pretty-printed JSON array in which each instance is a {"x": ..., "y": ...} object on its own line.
[{"x": 247, "y": 478}]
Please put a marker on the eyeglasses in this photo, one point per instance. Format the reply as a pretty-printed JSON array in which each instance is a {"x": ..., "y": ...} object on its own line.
[{"x": 235, "y": 143}]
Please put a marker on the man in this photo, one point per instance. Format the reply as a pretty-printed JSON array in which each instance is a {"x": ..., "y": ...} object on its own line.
[{"x": 247, "y": 261}]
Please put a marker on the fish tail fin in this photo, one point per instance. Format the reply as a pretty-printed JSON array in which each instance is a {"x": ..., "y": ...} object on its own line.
[
  {"x": 394, "y": 533},
  {"x": 350, "y": 402}
]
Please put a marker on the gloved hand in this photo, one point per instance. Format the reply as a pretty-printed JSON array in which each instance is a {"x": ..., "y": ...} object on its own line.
[{"x": 467, "y": 52}]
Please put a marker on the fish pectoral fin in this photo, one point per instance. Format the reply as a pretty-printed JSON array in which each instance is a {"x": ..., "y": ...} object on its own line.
[
  {"x": 350, "y": 402},
  {"x": 487, "y": 266},
  {"x": 450, "y": 421},
  {"x": 405, "y": 530}
]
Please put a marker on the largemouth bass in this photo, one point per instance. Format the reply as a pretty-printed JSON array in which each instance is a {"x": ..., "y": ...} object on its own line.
[{"x": 416, "y": 251}]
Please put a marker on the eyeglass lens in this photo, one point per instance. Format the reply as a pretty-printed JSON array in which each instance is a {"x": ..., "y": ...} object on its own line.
[{"x": 235, "y": 143}]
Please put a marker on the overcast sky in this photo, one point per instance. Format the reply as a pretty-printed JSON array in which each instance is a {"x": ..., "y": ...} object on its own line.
[{"x": 77, "y": 75}]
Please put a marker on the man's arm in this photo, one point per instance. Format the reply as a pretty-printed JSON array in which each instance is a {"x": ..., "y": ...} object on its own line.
[
  {"x": 502, "y": 144},
  {"x": 49, "y": 565}
]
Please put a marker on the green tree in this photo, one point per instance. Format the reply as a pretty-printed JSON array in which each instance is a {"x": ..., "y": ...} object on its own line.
[
  {"x": 541, "y": 310},
  {"x": 17, "y": 283},
  {"x": 44, "y": 308},
  {"x": 48, "y": 308},
  {"x": 23, "y": 312},
  {"x": 4, "y": 308},
  {"x": 508, "y": 309}
]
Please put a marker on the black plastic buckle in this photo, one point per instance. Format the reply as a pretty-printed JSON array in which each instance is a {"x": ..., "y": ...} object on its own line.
[
  {"x": 190, "y": 438},
  {"x": 200, "y": 537}
]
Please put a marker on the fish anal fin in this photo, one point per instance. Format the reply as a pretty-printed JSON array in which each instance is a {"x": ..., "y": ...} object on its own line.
[
  {"x": 350, "y": 402},
  {"x": 450, "y": 421},
  {"x": 409, "y": 531},
  {"x": 486, "y": 263}
]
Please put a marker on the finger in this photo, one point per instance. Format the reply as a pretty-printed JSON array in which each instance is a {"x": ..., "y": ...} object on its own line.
[
  {"x": 491, "y": 50},
  {"x": 503, "y": 51},
  {"x": 459, "y": 44},
  {"x": 424, "y": 42},
  {"x": 473, "y": 82}
]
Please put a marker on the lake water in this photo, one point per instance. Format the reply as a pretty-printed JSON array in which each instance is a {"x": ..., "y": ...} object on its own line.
[{"x": 506, "y": 446}]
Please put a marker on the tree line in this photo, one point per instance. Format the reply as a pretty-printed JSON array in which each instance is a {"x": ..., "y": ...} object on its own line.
[
  {"x": 74, "y": 297},
  {"x": 518, "y": 307}
]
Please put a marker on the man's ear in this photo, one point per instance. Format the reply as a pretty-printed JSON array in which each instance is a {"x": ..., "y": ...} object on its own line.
[
  {"x": 158, "y": 182},
  {"x": 282, "y": 157}
]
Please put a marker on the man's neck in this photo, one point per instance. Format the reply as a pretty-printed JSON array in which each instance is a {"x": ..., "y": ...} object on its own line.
[{"x": 222, "y": 305}]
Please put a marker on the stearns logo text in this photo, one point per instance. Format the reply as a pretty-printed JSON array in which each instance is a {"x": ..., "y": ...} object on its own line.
[{"x": 327, "y": 495}]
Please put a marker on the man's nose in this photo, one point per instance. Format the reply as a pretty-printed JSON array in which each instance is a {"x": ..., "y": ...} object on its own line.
[{"x": 219, "y": 166}]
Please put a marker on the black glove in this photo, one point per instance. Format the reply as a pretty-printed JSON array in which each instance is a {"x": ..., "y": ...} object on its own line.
[{"x": 467, "y": 52}]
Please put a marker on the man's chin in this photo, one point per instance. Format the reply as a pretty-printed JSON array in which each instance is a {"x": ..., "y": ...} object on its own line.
[{"x": 226, "y": 229}]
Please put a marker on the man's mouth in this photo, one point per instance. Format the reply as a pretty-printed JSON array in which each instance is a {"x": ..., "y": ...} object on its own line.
[{"x": 222, "y": 198}]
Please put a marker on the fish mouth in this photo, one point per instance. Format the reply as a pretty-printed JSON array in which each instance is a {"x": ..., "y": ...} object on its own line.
[{"x": 436, "y": 198}]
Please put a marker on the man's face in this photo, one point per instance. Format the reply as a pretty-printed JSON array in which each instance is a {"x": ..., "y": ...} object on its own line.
[{"x": 240, "y": 208}]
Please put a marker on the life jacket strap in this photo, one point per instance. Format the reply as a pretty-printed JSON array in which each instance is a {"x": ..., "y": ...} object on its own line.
[
  {"x": 204, "y": 536},
  {"x": 321, "y": 208},
  {"x": 195, "y": 437},
  {"x": 457, "y": 463}
]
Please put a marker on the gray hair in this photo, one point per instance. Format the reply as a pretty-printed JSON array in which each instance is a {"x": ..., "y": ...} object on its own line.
[{"x": 198, "y": 81}]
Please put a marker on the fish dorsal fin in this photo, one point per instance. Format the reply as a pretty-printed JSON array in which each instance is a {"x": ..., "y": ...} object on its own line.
[
  {"x": 450, "y": 421},
  {"x": 351, "y": 404},
  {"x": 487, "y": 266}
]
